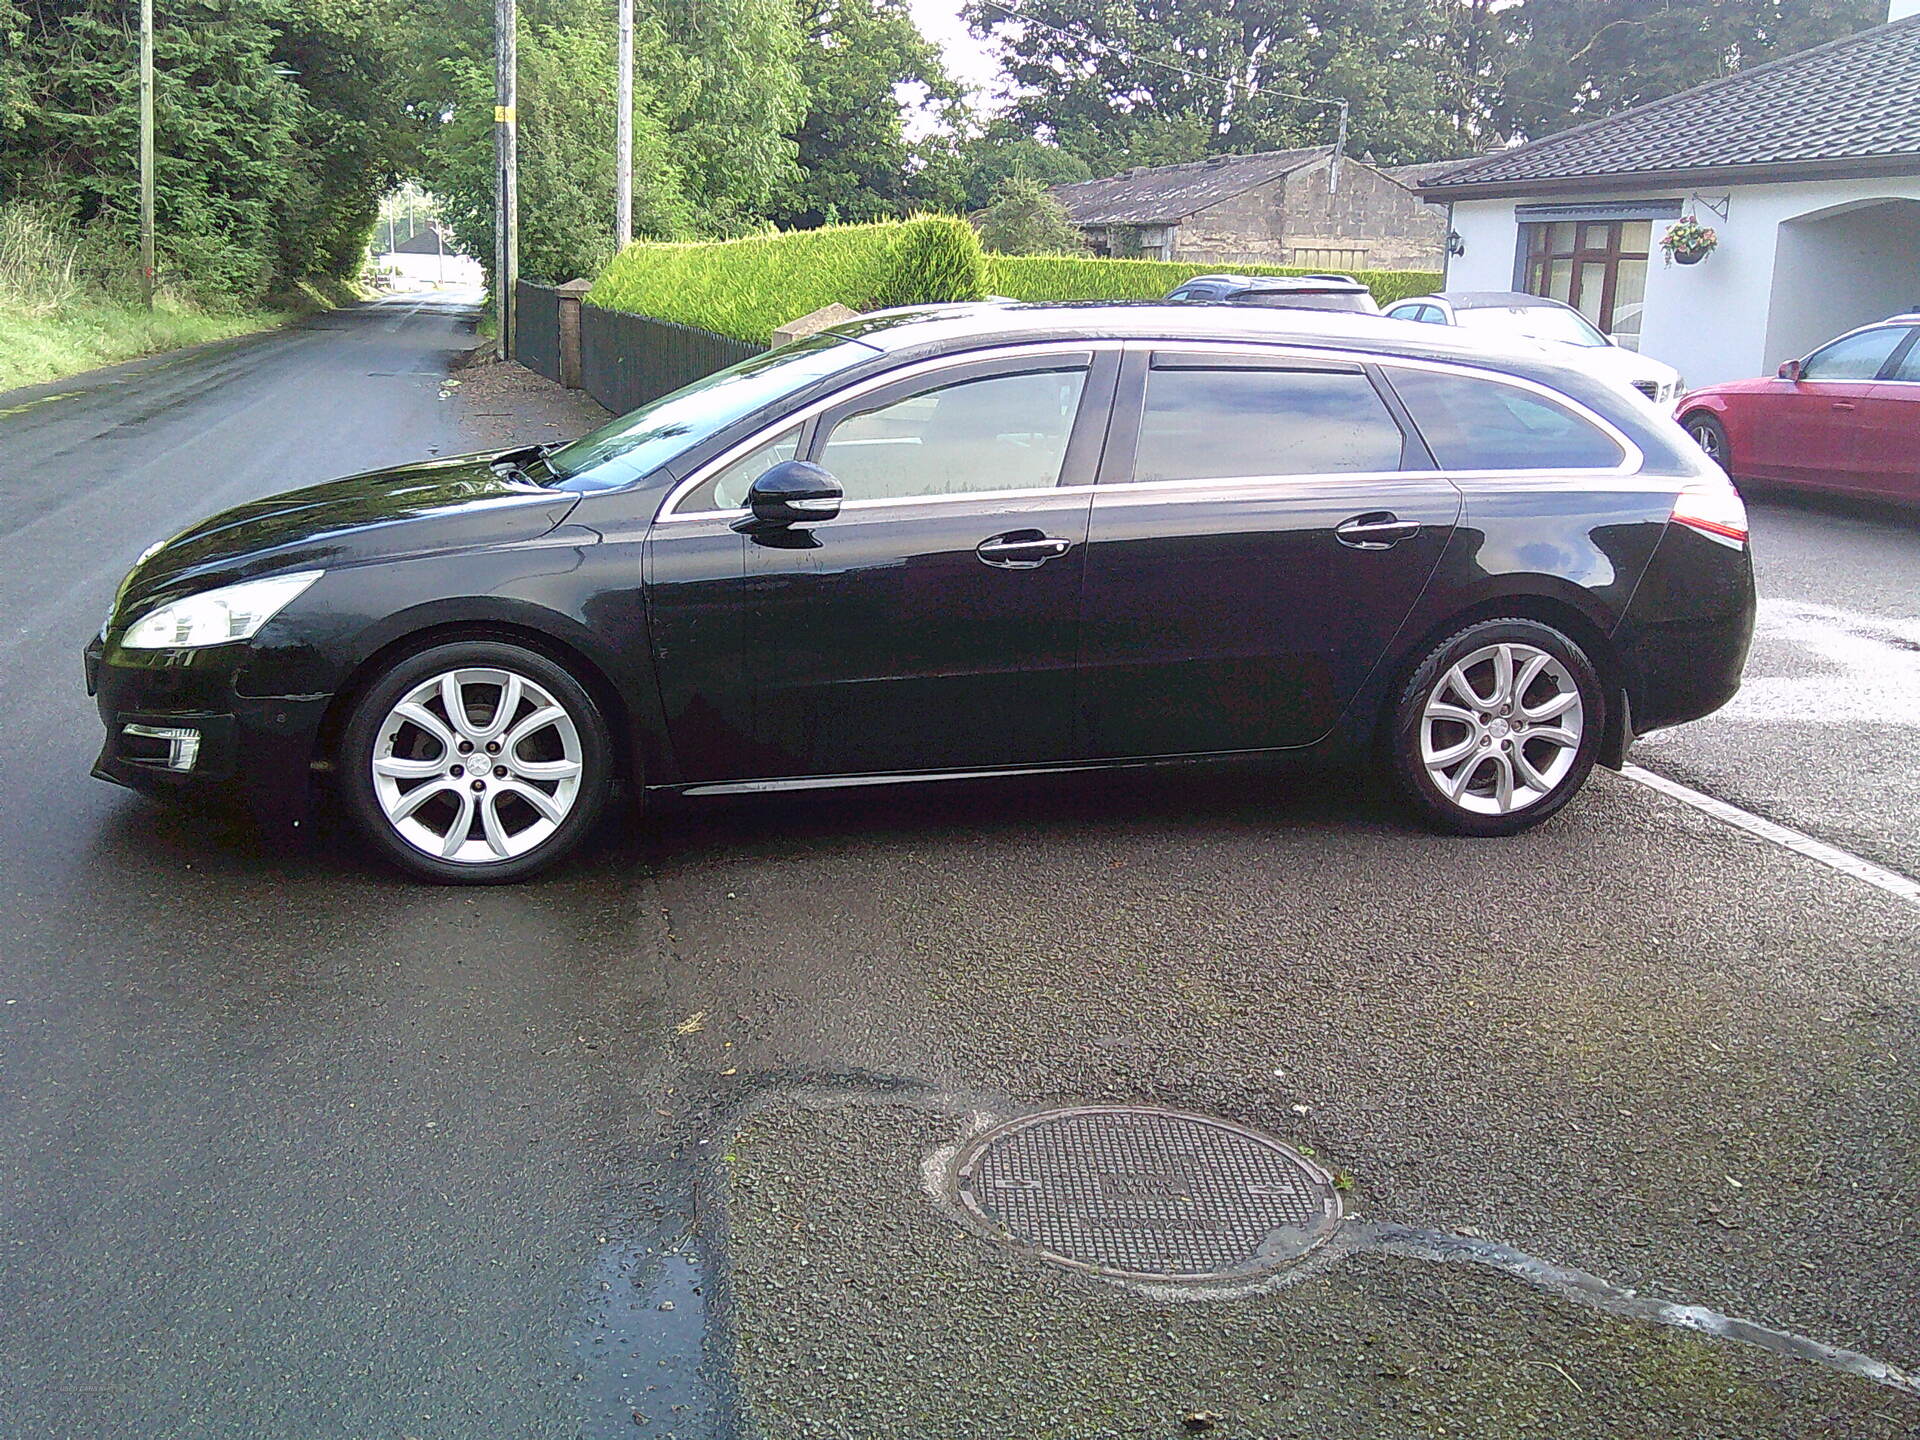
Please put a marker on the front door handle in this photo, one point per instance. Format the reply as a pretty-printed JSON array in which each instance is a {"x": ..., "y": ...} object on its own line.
[
  {"x": 1844, "y": 405},
  {"x": 1376, "y": 530},
  {"x": 1021, "y": 549}
]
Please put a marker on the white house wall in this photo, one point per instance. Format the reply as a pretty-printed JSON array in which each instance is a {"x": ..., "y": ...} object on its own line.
[{"x": 1846, "y": 263}]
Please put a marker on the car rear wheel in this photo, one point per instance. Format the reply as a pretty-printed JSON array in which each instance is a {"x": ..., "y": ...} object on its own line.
[
  {"x": 475, "y": 763},
  {"x": 1497, "y": 728},
  {"x": 1711, "y": 436}
]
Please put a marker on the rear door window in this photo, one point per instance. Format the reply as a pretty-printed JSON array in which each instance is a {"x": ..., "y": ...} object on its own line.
[
  {"x": 1481, "y": 424},
  {"x": 1210, "y": 424}
]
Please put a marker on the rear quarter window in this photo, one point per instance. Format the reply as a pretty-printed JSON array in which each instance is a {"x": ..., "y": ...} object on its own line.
[{"x": 1481, "y": 424}]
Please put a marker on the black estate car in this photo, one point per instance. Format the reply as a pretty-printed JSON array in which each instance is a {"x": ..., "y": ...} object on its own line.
[{"x": 955, "y": 542}]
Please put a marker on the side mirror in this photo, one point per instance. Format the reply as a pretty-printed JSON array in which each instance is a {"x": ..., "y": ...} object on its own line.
[
  {"x": 794, "y": 492},
  {"x": 1789, "y": 370}
]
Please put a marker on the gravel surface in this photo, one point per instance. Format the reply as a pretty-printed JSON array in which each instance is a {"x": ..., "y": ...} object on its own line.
[{"x": 503, "y": 403}]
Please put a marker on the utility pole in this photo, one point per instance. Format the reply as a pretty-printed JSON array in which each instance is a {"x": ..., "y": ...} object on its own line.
[
  {"x": 506, "y": 186},
  {"x": 623, "y": 134},
  {"x": 146, "y": 151},
  {"x": 1339, "y": 149}
]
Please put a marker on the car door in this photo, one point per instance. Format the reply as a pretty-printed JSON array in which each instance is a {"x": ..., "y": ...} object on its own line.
[
  {"x": 1263, "y": 524},
  {"x": 1889, "y": 445},
  {"x": 1807, "y": 431},
  {"x": 934, "y": 623}
]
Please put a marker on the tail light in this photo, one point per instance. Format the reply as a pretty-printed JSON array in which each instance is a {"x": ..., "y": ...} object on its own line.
[{"x": 1717, "y": 513}]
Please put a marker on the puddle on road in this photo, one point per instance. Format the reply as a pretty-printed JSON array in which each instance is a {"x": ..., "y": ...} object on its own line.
[{"x": 646, "y": 1366}]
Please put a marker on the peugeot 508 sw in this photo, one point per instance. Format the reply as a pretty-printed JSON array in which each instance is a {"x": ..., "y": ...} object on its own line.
[{"x": 955, "y": 542}]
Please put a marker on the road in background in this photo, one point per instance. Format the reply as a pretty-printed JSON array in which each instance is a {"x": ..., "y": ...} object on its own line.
[{"x": 290, "y": 1147}]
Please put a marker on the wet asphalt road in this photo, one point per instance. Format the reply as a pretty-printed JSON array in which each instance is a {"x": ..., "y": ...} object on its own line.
[{"x": 291, "y": 1148}]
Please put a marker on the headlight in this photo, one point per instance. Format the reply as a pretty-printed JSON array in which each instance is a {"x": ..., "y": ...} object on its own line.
[{"x": 215, "y": 617}]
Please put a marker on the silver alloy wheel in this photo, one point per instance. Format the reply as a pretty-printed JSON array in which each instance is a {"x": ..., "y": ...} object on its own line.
[
  {"x": 1501, "y": 728},
  {"x": 1707, "y": 437},
  {"x": 477, "y": 765}
]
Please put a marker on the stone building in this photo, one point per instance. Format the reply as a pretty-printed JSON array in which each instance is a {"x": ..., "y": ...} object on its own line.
[{"x": 1281, "y": 207}]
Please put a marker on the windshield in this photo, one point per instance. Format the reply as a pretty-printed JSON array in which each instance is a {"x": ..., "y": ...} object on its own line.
[
  {"x": 1535, "y": 322},
  {"x": 632, "y": 445}
]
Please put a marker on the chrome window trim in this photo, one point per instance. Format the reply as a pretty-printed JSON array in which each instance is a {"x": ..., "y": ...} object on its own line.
[
  {"x": 1632, "y": 461},
  {"x": 1857, "y": 330},
  {"x": 1631, "y": 464},
  {"x": 667, "y": 515},
  {"x": 1633, "y": 458}
]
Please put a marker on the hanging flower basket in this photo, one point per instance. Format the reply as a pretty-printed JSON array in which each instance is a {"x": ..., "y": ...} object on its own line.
[{"x": 1688, "y": 242}]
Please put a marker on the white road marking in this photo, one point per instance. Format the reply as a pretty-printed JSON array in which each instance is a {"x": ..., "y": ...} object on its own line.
[{"x": 1831, "y": 856}]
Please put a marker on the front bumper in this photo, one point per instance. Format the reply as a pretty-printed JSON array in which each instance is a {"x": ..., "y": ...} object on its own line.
[{"x": 180, "y": 726}]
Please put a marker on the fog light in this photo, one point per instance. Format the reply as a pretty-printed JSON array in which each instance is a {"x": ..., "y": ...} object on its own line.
[{"x": 182, "y": 742}]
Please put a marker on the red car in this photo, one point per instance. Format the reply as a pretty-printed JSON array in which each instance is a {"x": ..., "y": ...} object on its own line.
[{"x": 1845, "y": 419}]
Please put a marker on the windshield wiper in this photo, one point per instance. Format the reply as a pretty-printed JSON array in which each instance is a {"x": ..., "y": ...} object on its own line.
[{"x": 511, "y": 464}]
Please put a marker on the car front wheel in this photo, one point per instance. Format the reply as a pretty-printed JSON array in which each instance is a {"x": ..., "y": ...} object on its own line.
[
  {"x": 475, "y": 763},
  {"x": 1711, "y": 436},
  {"x": 1497, "y": 728}
]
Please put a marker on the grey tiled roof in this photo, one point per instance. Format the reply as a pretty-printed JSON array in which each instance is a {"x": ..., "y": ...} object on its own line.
[
  {"x": 1168, "y": 193},
  {"x": 1854, "y": 99},
  {"x": 1414, "y": 176}
]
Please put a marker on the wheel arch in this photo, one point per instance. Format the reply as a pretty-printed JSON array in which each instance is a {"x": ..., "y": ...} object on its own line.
[
  {"x": 1546, "y": 608},
  {"x": 633, "y": 740}
]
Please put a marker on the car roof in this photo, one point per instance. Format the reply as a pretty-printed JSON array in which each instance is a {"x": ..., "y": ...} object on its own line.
[
  {"x": 1283, "y": 284},
  {"x": 960, "y": 326},
  {"x": 1496, "y": 300}
]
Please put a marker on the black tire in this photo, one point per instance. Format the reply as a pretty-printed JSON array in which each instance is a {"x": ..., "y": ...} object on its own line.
[
  {"x": 1710, "y": 435},
  {"x": 502, "y": 808},
  {"x": 1513, "y": 743}
]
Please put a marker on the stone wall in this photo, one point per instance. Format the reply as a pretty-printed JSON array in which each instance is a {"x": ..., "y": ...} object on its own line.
[
  {"x": 1391, "y": 227},
  {"x": 1400, "y": 230}
]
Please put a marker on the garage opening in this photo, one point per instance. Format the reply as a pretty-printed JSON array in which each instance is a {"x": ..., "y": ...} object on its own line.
[{"x": 1841, "y": 267}]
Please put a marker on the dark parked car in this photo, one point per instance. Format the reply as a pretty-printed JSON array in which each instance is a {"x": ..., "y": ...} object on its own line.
[
  {"x": 1845, "y": 419},
  {"x": 1282, "y": 292},
  {"x": 955, "y": 542}
]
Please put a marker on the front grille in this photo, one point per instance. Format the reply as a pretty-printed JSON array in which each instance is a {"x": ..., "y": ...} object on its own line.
[{"x": 1648, "y": 388}]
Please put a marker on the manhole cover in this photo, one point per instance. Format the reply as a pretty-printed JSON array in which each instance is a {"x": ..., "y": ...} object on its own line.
[{"x": 1146, "y": 1194}]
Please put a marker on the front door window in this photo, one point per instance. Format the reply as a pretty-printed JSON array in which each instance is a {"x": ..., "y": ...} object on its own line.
[
  {"x": 1597, "y": 266},
  {"x": 998, "y": 432}
]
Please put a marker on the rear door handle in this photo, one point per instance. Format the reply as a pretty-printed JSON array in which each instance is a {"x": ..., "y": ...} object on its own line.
[
  {"x": 1376, "y": 530},
  {"x": 1021, "y": 549}
]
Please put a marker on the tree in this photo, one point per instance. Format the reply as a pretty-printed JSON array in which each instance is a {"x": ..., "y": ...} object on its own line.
[
  {"x": 856, "y": 59},
  {"x": 227, "y": 123},
  {"x": 1581, "y": 59},
  {"x": 1026, "y": 220},
  {"x": 566, "y": 153},
  {"x": 1133, "y": 82},
  {"x": 962, "y": 173},
  {"x": 728, "y": 76}
]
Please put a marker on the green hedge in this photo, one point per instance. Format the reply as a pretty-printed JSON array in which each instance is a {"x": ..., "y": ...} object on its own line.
[
  {"x": 1065, "y": 277},
  {"x": 747, "y": 288}
]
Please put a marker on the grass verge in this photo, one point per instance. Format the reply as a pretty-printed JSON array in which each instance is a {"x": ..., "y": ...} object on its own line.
[{"x": 93, "y": 330}]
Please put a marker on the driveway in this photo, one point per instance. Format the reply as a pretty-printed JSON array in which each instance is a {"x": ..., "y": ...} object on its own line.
[{"x": 294, "y": 1148}]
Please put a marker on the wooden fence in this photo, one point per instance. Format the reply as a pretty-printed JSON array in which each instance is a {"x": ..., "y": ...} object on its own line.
[
  {"x": 625, "y": 360},
  {"x": 536, "y": 328}
]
